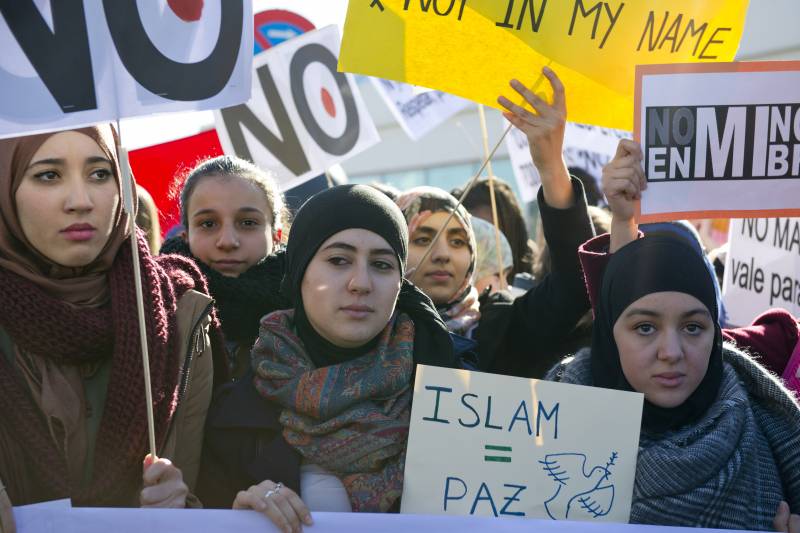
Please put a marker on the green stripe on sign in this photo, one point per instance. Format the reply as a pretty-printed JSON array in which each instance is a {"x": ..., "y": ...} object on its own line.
[
  {"x": 495, "y": 459},
  {"x": 498, "y": 448}
]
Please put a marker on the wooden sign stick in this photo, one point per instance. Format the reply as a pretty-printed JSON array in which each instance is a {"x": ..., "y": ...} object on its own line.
[
  {"x": 127, "y": 198},
  {"x": 498, "y": 249}
]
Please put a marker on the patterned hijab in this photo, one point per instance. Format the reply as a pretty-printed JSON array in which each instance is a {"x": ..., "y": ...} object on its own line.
[
  {"x": 84, "y": 286},
  {"x": 419, "y": 204}
]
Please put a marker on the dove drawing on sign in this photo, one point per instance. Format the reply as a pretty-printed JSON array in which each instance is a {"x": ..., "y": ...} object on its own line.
[{"x": 580, "y": 495}]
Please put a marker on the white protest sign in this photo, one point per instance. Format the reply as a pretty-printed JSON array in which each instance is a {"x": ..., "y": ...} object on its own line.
[
  {"x": 70, "y": 63},
  {"x": 39, "y": 519},
  {"x": 490, "y": 445},
  {"x": 418, "y": 112},
  {"x": 720, "y": 139},
  {"x": 304, "y": 116},
  {"x": 525, "y": 172},
  {"x": 762, "y": 268},
  {"x": 587, "y": 147}
]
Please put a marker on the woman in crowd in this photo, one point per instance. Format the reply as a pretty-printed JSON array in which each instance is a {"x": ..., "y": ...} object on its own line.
[
  {"x": 147, "y": 218},
  {"x": 511, "y": 336},
  {"x": 72, "y": 413},
  {"x": 326, "y": 412},
  {"x": 719, "y": 446},
  {"x": 774, "y": 337},
  {"x": 487, "y": 271},
  {"x": 234, "y": 218}
]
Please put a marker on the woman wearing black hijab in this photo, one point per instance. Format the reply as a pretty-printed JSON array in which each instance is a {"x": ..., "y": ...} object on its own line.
[
  {"x": 325, "y": 413},
  {"x": 719, "y": 446}
]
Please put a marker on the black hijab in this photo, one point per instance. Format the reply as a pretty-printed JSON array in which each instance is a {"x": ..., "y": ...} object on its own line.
[
  {"x": 649, "y": 265},
  {"x": 359, "y": 207}
]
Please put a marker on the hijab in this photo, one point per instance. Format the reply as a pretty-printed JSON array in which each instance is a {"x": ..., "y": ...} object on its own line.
[
  {"x": 323, "y": 215},
  {"x": 683, "y": 229},
  {"x": 649, "y": 265},
  {"x": 486, "y": 249},
  {"x": 462, "y": 312},
  {"x": 85, "y": 286}
]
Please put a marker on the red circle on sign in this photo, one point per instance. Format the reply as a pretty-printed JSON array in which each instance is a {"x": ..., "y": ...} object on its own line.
[
  {"x": 187, "y": 10},
  {"x": 327, "y": 103}
]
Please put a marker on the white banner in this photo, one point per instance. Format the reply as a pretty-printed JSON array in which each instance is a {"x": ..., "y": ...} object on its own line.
[
  {"x": 490, "y": 445},
  {"x": 304, "y": 115},
  {"x": 38, "y": 519},
  {"x": 589, "y": 148},
  {"x": 418, "y": 113},
  {"x": 762, "y": 269},
  {"x": 70, "y": 63},
  {"x": 721, "y": 140}
]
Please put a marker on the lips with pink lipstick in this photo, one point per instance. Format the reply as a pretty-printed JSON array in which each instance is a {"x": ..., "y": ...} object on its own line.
[
  {"x": 357, "y": 311},
  {"x": 79, "y": 232}
]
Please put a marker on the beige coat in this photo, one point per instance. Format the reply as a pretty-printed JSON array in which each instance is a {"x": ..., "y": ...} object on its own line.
[{"x": 183, "y": 445}]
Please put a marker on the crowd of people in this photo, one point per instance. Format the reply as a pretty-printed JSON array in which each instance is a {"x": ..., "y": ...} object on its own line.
[{"x": 283, "y": 349}]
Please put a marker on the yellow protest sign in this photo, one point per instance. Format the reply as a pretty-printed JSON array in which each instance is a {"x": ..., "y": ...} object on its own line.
[{"x": 472, "y": 48}]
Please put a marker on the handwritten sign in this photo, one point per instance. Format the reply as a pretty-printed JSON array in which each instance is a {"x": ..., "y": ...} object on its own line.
[
  {"x": 489, "y": 445},
  {"x": 40, "y": 518},
  {"x": 587, "y": 147},
  {"x": 72, "y": 63},
  {"x": 418, "y": 113},
  {"x": 304, "y": 116},
  {"x": 762, "y": 268},
  {"x": 720, "y": 140},
  {"x": 471, "y": 48}
]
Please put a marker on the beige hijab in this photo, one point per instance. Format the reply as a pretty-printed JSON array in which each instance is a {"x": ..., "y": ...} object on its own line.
[{"x": 84, "y": 286}]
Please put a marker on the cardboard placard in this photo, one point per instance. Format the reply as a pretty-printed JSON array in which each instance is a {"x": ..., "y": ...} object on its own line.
[
  {"x": 304, "y": 116},
  {"x": 762, "y": 268},
  {"x": 472, "y": 48},
  {"x": 720, "y": 140},
  {"x": 73, "y": 63},
  {"x": 490, "y": 445},
  {"x": 418, "y": 113}
]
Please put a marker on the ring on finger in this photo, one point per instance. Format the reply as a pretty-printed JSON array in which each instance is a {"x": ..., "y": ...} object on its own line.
[{"x": 273, "y": 491}]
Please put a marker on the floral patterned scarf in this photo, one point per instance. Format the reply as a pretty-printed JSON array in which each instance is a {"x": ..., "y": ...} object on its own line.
[{"x": 350, "y": 418}]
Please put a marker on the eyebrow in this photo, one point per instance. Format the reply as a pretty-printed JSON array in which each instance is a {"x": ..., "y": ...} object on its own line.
[
  {"x": 210, "y": 211},
  {"x": 428, "y": 230},
  {"x": 59, "y": 161},
  {"x": 350, "y": 248},
  {"x": 651, "y": 313}
]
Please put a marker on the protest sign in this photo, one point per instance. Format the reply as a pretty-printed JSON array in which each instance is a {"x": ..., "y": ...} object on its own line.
[
  {"x": 762, "y": 268},
  {"x": 139, "y": 58},
  {"x": 720, "y": 140},
  {"x": 472, "y": 48},
  {"x": 304, "y": 116},
  {"x": 489, "y": 445},
  {"x": 587, "y": 147},
  {"x": 47, "y": 518},
  {"x": 418, "y": 112}
]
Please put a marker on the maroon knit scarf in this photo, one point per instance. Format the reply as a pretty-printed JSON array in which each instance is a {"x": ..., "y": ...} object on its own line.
[{"x": 48, "y": 327}]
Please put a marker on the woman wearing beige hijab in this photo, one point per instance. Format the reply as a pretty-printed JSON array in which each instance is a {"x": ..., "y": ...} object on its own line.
[{"x": 72, "y": 414}]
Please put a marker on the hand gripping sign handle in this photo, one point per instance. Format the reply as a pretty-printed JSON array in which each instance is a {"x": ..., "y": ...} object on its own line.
[{"x": 127, "y": 199}]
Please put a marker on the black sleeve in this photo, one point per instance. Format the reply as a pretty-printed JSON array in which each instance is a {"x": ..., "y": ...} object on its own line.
[{"x": 545, "y": 315}]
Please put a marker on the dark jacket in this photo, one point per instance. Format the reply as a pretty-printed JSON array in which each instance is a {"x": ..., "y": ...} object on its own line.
[{"x": 519, "y": 337}]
